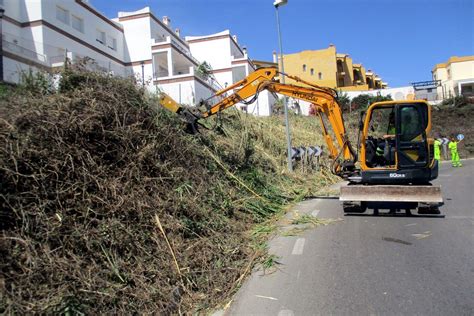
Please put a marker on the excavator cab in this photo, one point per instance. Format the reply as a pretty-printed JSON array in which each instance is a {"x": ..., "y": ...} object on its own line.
[
  {"x": 396, "y": 163},
  {"x": 394, "y": 144}
]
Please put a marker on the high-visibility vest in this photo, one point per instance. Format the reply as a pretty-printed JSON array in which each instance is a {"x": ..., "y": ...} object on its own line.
[
  {"x": 437, "y": 152},
  {"x": 453, "y": 146}
]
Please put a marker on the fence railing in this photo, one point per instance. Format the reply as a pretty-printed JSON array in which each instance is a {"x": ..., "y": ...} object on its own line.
[{"x": 209, "y": 79}]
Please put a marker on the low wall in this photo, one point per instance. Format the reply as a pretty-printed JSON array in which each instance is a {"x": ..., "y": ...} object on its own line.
[{"x": 398, "y": 94}]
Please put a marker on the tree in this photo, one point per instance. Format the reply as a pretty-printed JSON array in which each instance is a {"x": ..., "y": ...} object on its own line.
[
  {"x": 362, "y": 101},
  {"x": 278, "y": 107},
  {"x": 204, "y": 69},
  {"x": 343, "y": 100}
]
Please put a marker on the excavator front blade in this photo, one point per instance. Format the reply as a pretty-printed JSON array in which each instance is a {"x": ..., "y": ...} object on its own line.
[
  {"x": 356, "y": 198},
  {"x": 391, "y": 193}
]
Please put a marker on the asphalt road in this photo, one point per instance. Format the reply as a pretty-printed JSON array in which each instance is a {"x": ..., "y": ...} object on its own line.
[{"x": 373, "y": 264}]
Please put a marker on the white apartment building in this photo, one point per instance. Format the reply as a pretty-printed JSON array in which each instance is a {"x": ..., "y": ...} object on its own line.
[
  {"x": 39, "y": 34},
  {"x": 230, "y": 65},
  {"x": 456, "y": 77}
]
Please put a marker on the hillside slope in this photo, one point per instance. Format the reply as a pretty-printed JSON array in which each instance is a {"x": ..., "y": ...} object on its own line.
[
  {"x": 107, "y": 206},
  {"x": 449, "y": 121}
]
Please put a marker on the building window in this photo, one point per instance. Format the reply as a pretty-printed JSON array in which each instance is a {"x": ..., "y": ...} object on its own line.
[
  {"x": 356, "y": 75},
  {"x": 77, "y": 23},
  {"x": 112, "y": 42},
  {"x": 320, "y": 76},
  {"x": 304, "y": 67},
  {"x": 62, "y": 15},
  {"x": 100, "y": 37},
  {"x": 340, "y": 66},
  {"x": 340, "y": 82},
  {"x": 312, "y": 71}
]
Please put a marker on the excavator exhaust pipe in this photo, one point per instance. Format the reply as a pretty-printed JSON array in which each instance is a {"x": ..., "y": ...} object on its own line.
[{"x": 356, "y": 198}]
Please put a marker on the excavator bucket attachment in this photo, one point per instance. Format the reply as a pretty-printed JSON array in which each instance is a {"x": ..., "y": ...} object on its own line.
[
  {"x": 186, "y": 114},
  {"x": 392, "y": 193}
]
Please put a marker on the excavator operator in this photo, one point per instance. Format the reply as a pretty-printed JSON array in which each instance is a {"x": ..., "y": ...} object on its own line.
[
  {"x": 391, "y": 125},
  {"x": 385, "y": 152}
]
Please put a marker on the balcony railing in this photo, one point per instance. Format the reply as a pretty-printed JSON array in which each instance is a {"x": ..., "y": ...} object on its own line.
[
  {"x": 209, "y": 79},
  {"x": 14, "y": 48},
  {"x": 244, "y": 57},
  {"x": 89, "y": 63},
  {"x": 160, "y": 74},
  {"x": 160, "y": 40}
]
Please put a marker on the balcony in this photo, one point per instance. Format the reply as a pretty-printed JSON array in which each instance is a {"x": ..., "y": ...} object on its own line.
[
  {"x": 240, "y": 60},
  {"x": 163, "y": 43},
  {"x": 89, "y": 63},
  {"x": 161, "y": 74},
  {"x": 22, "y": 48}
]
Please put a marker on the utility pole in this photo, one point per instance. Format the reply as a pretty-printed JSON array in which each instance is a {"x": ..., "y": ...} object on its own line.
[
  {"x": 277, "y": 4},
  {"x": 1, "y": 44},
  {"x": 143, "y": 74}
]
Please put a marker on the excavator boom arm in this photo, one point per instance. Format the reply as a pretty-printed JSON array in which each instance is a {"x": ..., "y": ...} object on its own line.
[{"x": 323, "y": 99}]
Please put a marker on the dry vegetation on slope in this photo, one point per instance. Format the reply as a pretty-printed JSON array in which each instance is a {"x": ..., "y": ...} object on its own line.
[{"x": 106, "y": 206}]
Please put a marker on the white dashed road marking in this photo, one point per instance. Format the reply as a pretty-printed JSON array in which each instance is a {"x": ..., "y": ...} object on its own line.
[
  {"x": 298, "y": 247},
  {"x": 285, "y": 312},
  {"x": 267, "y": 297}
]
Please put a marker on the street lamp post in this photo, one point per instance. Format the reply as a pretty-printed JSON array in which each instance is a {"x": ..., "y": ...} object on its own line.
[
  {"x": 277, "y": 4},
  {"x": 143, "y": 74},
  {"x": 1, "y": 45}
]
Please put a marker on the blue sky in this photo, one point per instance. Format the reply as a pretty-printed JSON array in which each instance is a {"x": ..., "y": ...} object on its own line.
[{"x": 399, "y": 39}]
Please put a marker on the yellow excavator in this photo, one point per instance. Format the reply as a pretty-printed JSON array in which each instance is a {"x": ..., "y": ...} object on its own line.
[{"x": 393, "y": 165}]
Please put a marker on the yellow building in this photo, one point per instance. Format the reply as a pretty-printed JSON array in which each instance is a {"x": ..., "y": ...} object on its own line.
[
  {"x": 326, "y": 67},
  {"x": 456, "y": 76}
]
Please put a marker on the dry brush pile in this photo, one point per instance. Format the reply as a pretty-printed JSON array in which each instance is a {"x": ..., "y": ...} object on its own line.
[{"x": 107, "y": 206}]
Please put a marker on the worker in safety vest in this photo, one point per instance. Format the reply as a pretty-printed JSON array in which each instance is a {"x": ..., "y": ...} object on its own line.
[
  {"x": 437, "y": 149},
  {"x": 453, "y": 147},
  {"x": 386, "y": 151}
]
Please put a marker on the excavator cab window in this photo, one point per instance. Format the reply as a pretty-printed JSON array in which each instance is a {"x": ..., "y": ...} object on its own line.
[
  {"x": 380, "y": 142},
  {"x": 412, "y": 141},
  {"x": 411, "y": 124}
]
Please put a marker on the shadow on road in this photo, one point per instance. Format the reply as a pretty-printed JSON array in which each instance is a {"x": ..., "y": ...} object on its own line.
[{"x": 398, "y": 215}]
